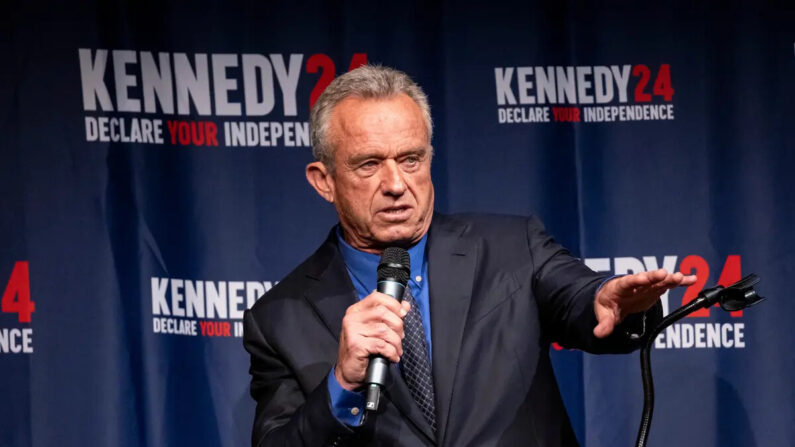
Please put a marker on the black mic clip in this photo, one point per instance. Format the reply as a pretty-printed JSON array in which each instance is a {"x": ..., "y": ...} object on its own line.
[{"x": 735, "y": 297}]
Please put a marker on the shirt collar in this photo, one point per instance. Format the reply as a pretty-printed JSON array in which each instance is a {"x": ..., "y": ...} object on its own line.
[{"x": 363, "y": 266}]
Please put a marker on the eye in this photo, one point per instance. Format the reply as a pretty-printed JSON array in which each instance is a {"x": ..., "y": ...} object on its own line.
[
  {"x": 368, "y": 165},
  {"x": 411, "y": 160}
]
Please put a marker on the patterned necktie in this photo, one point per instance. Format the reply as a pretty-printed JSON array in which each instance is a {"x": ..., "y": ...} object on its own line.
[{"x": 415, "y": 362}]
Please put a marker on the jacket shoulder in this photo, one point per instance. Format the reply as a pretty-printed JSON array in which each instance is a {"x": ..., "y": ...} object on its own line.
[
  {"x": 291, "y": 289},
  {"x": 511, "y": 229}
]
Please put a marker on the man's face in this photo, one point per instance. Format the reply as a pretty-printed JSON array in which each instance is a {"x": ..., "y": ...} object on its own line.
[{"x": 381, "y": 183}]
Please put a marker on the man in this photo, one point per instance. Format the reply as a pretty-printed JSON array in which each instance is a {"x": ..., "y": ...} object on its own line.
[{"x": 486, "y": 296}]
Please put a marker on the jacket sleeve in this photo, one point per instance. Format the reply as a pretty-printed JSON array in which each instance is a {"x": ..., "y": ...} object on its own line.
[
  {"x": 285, "y": 414},
  {"x": 565, "y": 289}
]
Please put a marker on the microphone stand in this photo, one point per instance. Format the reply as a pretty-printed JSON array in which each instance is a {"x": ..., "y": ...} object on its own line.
[{"x": 735, "y": 297}]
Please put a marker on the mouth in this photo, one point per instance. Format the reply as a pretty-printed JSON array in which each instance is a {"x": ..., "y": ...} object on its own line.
[{"x": 395, "y": 213}]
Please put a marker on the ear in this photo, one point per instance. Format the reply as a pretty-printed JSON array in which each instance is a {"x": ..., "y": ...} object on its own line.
[{"x": 318, "y": 175}]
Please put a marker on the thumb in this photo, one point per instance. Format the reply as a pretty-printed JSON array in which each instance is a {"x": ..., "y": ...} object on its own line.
[{"x": 605, "y": 327}]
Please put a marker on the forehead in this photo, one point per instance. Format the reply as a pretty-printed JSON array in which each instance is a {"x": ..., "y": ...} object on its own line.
[{"x": 360, "y": 124}]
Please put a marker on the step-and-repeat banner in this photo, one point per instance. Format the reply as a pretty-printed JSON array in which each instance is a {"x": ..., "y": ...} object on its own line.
[{"x": 152, "y": 185}]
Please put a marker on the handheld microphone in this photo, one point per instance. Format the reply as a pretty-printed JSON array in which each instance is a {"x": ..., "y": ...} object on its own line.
[{"x": 393, "y": 275}]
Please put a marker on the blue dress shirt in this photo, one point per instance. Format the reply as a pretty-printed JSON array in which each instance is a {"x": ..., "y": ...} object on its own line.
[{"x": 348, "y": 406}]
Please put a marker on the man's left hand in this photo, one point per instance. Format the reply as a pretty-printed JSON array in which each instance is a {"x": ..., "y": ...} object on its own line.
[{"x": 630, "y": 294}]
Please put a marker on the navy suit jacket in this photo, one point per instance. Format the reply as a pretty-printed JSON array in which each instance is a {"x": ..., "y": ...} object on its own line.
[{"x": 501, "y": 290}]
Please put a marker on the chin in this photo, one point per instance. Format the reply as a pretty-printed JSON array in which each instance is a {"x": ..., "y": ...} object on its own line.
[{"x": 401, "y": 236}]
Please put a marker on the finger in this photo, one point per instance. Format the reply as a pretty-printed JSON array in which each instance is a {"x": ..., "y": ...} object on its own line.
[
  {"x": 675, "y": 280},
  {"x": 381, "y": 314},
  {"x": 605, "y": 327},
  {"x": 642, "y": 279},
  {"x": 680, "y": 279},
  {"x": 644, "y": 282},
  {"x": 688, "y": 280},
  {"x": 405, "y": 307},
  {"x": 374, "y": 300},
  {"x": 670, "y": 281},
  {"x": 384, "y": 332},
  {"x": 380, "y": 347},
  {"x": 637, "y": 301},
  {"x": 657, "y": 276},
  {"x": 377, "y": 298}
]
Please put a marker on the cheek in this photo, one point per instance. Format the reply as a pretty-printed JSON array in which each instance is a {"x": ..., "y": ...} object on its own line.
[
  {"x": 358, "y": 200},
  {"x": 423, "y": 190}
]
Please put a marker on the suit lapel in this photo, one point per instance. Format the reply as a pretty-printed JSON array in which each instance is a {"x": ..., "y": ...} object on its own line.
[
  {"x": 400, "y": 396},
  {"x": 452, "y": 259},
  {"x": 330, "y": 296},
  {"x": 332, "y": 291}
]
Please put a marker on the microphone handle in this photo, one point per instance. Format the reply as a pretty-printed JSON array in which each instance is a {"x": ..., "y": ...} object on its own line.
[{"x": 378, "y": 367}]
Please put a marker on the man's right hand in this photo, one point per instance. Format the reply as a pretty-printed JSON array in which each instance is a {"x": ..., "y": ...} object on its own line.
[{"x": 374, "y": 325}]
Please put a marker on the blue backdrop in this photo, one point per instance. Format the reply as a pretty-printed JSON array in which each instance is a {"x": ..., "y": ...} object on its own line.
[{"x": 151, "y": 175}]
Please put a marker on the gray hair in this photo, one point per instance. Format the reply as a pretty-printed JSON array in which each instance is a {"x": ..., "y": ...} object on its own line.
[{"x": 367, "y": 81}]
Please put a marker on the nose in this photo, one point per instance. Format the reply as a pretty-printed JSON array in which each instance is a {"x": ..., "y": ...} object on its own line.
[{"x": 392, "y": 182}]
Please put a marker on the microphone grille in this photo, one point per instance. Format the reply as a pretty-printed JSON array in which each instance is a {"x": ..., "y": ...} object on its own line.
[{"x": 395, "y": 264}]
